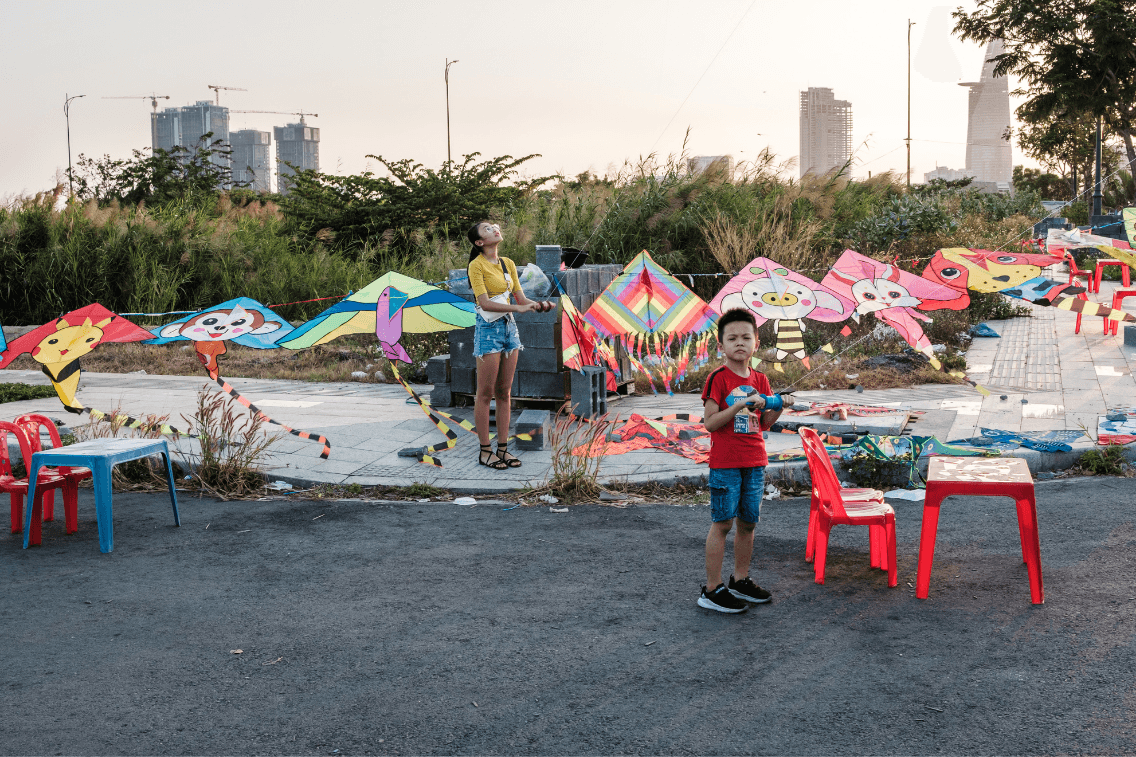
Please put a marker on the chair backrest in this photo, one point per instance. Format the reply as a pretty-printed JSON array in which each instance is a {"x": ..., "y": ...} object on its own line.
[
  {"x": 1072, "y": 262},
  {"x": 826, "y": 486},
  {"x": 32, "y": 423},
  {"x": 25, "y": 447}
]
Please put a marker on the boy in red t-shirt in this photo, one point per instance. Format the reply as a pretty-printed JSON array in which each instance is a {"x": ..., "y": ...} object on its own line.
[{"x": 737, "y": 460}]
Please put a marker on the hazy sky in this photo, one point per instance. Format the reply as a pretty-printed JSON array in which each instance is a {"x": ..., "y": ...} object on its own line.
[{"x": 586, "y": 83}]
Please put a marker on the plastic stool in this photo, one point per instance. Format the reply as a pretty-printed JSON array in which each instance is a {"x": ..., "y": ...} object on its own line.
[
  {"x": 1117, "y": 301},
  {"x": 1105, "y": 263}
]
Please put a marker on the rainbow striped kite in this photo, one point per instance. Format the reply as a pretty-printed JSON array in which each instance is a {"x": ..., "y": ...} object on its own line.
[{"x": 647, "y": 307}]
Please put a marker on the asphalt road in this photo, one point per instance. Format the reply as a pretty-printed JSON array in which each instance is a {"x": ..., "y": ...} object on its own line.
[{"x": 439, "y": 629}]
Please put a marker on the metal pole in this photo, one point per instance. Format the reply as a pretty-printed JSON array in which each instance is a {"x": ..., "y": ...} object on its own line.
[
  {"x": 910, "y": 24},
  {"x": 449, "y": 157},
  {"x": 67, "y": 114},
  {"x": 1097, "y": 190}
]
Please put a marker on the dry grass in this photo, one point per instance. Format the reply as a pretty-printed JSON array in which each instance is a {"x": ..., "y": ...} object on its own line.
[
  {"x": 233, "y": 446},
  {"x": 572, "y": 478},
  {"x": 147, "y": 474}
]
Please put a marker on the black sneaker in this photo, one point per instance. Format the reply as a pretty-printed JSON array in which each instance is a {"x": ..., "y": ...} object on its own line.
[
  {"x": 721, "y": 600},
  {"x": 749, "y": 591}
]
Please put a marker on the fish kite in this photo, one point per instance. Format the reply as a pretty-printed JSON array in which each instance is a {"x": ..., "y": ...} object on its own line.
[
  {"x": 1012, "y": 273},
  {"x": 775, "y": 293}
]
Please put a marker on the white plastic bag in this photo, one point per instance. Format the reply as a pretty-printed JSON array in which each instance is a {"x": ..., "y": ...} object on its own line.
[{"x": 533, "y": 281}]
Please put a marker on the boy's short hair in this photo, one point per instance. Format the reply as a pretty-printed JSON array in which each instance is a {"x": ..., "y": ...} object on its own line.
[{"x": 737, "y": 315}]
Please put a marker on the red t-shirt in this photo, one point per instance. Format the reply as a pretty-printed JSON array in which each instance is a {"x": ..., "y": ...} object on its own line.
[{"x": 738, "y": 444}]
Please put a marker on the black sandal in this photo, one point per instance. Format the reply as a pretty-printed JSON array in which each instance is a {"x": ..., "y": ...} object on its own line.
[
  {"x": 512, "y": 461},
  {"x": 489, "y": 462}
]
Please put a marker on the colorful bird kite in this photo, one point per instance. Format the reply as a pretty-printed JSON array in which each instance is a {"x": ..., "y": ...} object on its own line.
[
  {"x": 390, "y": 307},
  {"x": 775, "y": 293},
  {"x": 889, "y": 293},
  {"x": 647, "y": 307},
  {"x": 58, "y": 345},
  {"x": 245, "y": 322}
]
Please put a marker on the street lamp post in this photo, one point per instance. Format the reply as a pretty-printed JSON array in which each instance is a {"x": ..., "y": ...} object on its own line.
[
  {"x": 1097, "y": 210},
  {"x": 449, "y": 157},
  {"x": 67, "y": 114},
  {"x": 910, "y": 24}
]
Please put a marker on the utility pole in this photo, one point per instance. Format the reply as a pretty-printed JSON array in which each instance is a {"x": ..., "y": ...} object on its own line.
[
  {"x": 67, "y": 114},
  {"x": 449, "y": 157},
  {"x": 910, "y": 24},
  {"x": 1097, "y": 190}
]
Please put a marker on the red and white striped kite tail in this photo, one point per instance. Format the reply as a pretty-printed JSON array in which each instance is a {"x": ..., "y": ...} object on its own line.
[{"x": 228, "y": 389}]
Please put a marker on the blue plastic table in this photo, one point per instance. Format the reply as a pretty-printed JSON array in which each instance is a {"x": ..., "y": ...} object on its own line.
[{"x": 100, "y": 455}]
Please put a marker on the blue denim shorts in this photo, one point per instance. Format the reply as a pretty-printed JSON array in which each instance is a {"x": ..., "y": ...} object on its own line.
[
  {"x": 495, "y": 336},
  {"x": 736, "y": 493}
]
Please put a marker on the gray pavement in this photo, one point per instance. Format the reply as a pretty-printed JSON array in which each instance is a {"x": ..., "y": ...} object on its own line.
[
  {"x": 405, "y": 628},
  {"x": 1065, "y": 380}
]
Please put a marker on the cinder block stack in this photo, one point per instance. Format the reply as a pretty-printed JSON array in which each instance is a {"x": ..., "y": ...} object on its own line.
[{"x": 540, "y": 370}]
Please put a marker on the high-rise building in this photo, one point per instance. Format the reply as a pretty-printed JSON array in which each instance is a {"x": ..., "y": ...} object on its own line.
[
  {"x": 186, "y": 126},
  {"x": 826, "y": 131},
  {"x": 251, "y": 161},
  {"x": 297, "y": 144},
  {"x": 988, "y": 155}
]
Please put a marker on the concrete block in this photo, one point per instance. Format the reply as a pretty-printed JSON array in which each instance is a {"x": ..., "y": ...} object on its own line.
[
  {"x": 589, "y": 391},
  {"x": 438, "y": 369},
  {"x": 539, "y": 359},
  {"x": 1130, "y": 335},
  {"x": 536, "y": 423},
  {"x": 550, "y": 385},
  {"x": 536, "y": 333},
  {"x": 548, "y": 258},
  {"x": 461, "y": 348},
  {"x": 442, "y": 395},
  {"x": 463, "y": 380}
]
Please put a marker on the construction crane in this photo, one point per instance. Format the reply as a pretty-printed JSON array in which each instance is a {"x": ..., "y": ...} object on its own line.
[
  {"x": 217, "y": 88},
  {"x": 153, "y": 98},
  {"x": 301, "y": 113}
]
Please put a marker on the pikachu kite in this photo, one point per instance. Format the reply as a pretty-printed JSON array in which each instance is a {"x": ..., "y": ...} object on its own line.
[{"x": 58, "y": 345}]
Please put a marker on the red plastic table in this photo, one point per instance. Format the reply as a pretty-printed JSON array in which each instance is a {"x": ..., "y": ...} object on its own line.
[{"x": 980, "y": 477}]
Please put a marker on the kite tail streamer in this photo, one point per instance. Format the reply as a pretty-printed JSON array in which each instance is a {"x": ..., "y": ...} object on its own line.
[
  {"x": 228, "y": 389},
  {"x": 128, "y": 421},
  {"x": 436, "y": 417}
]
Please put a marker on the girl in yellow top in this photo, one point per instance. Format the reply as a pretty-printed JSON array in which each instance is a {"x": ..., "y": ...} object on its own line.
[{"x": 496, "y": 344}]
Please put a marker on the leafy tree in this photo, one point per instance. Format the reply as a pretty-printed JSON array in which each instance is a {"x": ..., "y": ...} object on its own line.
[
  {"x": 158, "y": 178},
  {"x": 1047, "y": 185},
  {"x": 1075, "y": 58},
  {"x": 361, "y": 206}
]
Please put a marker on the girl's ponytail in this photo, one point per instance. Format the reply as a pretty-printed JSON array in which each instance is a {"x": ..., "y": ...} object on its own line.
[{"x": 474, "y": 235}]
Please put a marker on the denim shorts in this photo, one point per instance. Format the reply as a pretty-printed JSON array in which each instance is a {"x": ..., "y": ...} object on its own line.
[
  {"x": 736, "y": 493},
  {"x": 495, "y": 336}
]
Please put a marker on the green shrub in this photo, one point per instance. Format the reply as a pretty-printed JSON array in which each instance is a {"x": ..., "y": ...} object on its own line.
[
  {"x": 1103, "y": 462},
  {"x": 21, "y": 392}
]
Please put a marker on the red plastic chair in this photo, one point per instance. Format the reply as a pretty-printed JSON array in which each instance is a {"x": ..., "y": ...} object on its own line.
[
  {"x": 1077, "y": 328},
  {"x": 1117, "y": 303},
  {"x": 17, "y": 488},
  {"x": 1077, "y": 273},
  {"x": 32, "y": 423},
  {"x": 834, "y": 510}
]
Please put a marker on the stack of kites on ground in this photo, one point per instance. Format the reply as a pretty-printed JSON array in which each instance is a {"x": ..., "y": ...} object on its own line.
[{"x": 663, "y": 327}]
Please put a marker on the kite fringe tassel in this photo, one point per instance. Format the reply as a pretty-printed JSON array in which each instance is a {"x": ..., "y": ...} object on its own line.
[{"x": 319, "y": 438}]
